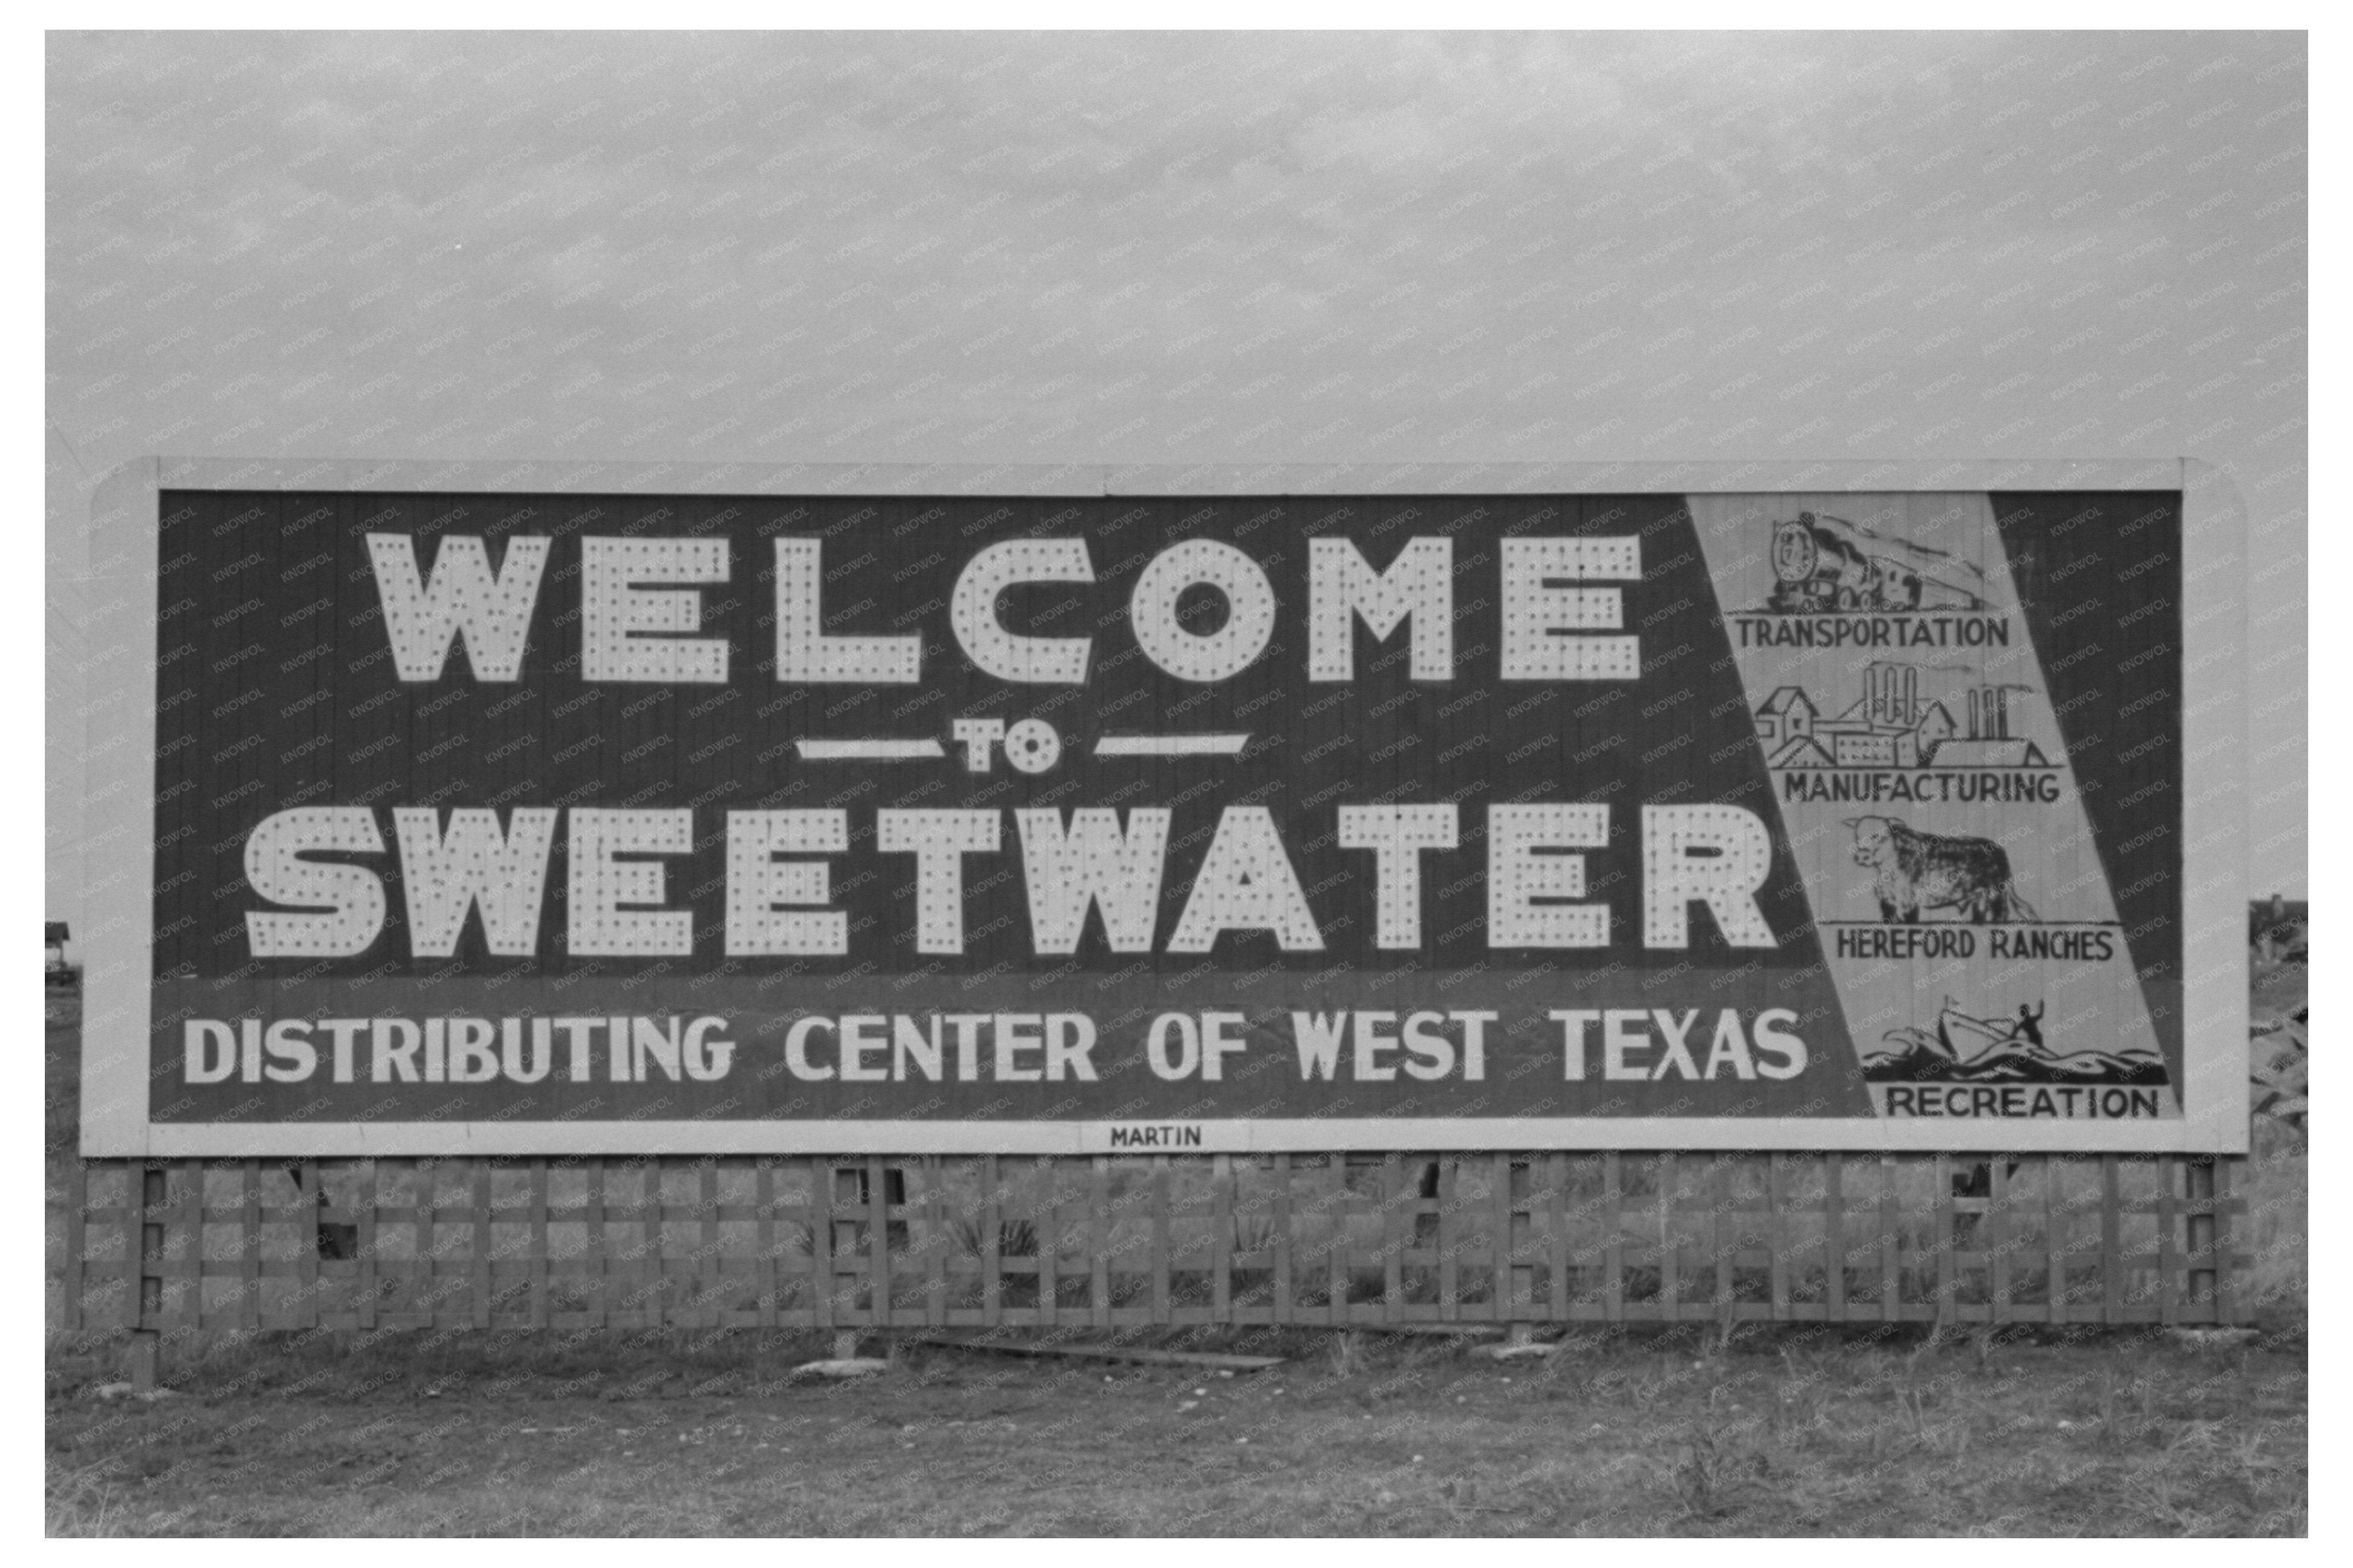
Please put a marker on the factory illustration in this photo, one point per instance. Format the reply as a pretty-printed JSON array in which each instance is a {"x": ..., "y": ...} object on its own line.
[{"x": 1894, "y": 725}]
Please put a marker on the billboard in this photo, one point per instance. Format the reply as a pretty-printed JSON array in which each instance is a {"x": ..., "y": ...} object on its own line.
[{"x": 540, "y": 812}]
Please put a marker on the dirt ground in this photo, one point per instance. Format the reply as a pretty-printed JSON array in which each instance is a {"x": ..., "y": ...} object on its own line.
[{"x": 1782, "y": 1432}]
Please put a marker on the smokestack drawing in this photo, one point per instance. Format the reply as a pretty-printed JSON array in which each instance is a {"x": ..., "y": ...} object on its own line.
[
  {"x": 1988, "y": 713},
  {"x": 1892, "y": 694}
]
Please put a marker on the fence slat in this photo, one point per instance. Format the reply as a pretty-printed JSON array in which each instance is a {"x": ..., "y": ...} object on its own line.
[
  {"x": 424, "y": 1178},
  {"x": 1552, "y": 1207},
  {"x": 2172, "y": 1173},
  {"x": 2057, "y": 1224},
  {"x": 1613, "y": 1255},
  {"x": 1335, "y": 1211},
  {"x": 992, "y": 1280},
  {"x": 371, "y": 1199},
  {"x": 710, "y": 1281},
  {"x": 1160, "y": 1264},
  {"x": 540, "y": 1246},
  {"x": 1993, "y": 1236},
  {"x": 1891, "y": 1223},
  {"x": 1948, "y": 1267},
  {"x": 482, "y": 1262},
  {"x": 1335, "y": 1252},
  {"x": 935, "y": 1242},
  {"x": 1098, "y": 1240},
  {"x": 1394, "y": 1200},
  {"x": 2112, "y": 1247},
  {"x": 1450, "y": 1239},
  {"x": 183, "y": 1307},
  {"x": 156, "y": 1261},
  {"x": 1722, "y": 1232},
  {"x": 1834, "y": 1239},
  {"x": 1221, "y": 1236},
  {"x": 820, "y": 1222},
  {"x": 1283, "y": 1310},
  {"x": 766, "y": 1282},
  {"x": 598, "y": 1247},
  {"x": 1671, "y": 1238},
  {"x": 653, "y": 1292},
  {"x": 249, "y": 1248},
  {"x": 310, "y": 1198},
  {"x": 878, "y": 1241},
  {"x": 1505, "y": 1301},
  {"x": 2226, "y": 1299},
  {"x": 1045, "y": 1209}
]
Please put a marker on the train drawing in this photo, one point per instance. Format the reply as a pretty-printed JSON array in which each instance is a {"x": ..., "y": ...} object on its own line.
[{"x": 1827, "y": 565}]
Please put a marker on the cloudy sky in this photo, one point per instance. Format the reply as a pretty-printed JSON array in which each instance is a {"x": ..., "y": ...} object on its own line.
[{"x": 1181, "y": 248}]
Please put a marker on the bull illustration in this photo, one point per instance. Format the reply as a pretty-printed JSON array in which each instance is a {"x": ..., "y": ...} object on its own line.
[{"x": 1915, "y": 871}]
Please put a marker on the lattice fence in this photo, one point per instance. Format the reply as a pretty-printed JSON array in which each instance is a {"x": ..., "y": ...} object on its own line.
[{"x": 189, "y": 1247}]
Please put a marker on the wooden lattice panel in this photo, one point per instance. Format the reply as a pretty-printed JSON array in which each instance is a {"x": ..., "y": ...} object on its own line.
[{"x": 1109, "y": 1243}]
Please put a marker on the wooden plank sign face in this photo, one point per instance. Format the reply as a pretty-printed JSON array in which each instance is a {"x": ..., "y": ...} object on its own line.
[{"x": 504, "y": 818}]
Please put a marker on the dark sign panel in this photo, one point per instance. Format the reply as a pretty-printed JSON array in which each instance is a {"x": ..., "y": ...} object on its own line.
[{"x": 549, "y": 821}]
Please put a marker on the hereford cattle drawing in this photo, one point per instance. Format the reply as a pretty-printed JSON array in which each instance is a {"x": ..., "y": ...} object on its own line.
[{"x": 1916, "y": 872}]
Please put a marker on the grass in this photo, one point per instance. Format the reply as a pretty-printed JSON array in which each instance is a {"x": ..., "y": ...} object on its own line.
[{"x": 1774, "y": 1432}]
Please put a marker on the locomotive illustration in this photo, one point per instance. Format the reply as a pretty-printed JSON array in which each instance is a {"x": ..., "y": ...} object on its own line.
[{"x": 1825, "y": 565}]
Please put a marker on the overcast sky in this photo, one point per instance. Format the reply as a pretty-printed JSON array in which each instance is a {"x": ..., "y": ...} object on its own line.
[{"x": 1180, "y": 248}]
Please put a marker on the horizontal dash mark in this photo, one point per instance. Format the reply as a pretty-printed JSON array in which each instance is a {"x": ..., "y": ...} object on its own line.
[
  {"x": 1170, "y": 745},
  {"x": 868, "y": 750}
]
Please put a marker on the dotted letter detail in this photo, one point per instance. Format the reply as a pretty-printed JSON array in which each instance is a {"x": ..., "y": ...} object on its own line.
[
  {"x": 441, "y": 876},
  {"x": 494, "y": 612},
  {"x": 599, "y": 885},
  {"x": 352, "y": 895},
  {"x": 1223, "y": 654},
  {"x": 939, "y": 839},
  {"x": 757, "y": 882},
  {"x": 612, "y": 608},
  {"x": 971, "y": 610},
  {"x": 1725, "y": 881},
  {"x": 1246, "y": 883},
  {"x": 1093, "y": 862},
  {"x": 1341, "y": 586},
  {"x": 806, "y": 655},
  {"x": 1396, "y": 835},
  {"x": 1517, "y": 875},
  {"x": 1544, "y": 626}
]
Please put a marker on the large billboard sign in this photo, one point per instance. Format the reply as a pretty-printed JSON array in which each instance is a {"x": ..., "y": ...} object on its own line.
[{"x": 538, "y": 813}]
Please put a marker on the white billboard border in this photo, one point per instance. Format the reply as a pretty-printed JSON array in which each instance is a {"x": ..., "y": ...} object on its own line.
[{"x": 119, "y": 847}]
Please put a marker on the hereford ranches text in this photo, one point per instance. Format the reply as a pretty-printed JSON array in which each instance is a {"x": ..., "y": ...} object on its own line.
[{"x": 638, "y": 616}]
